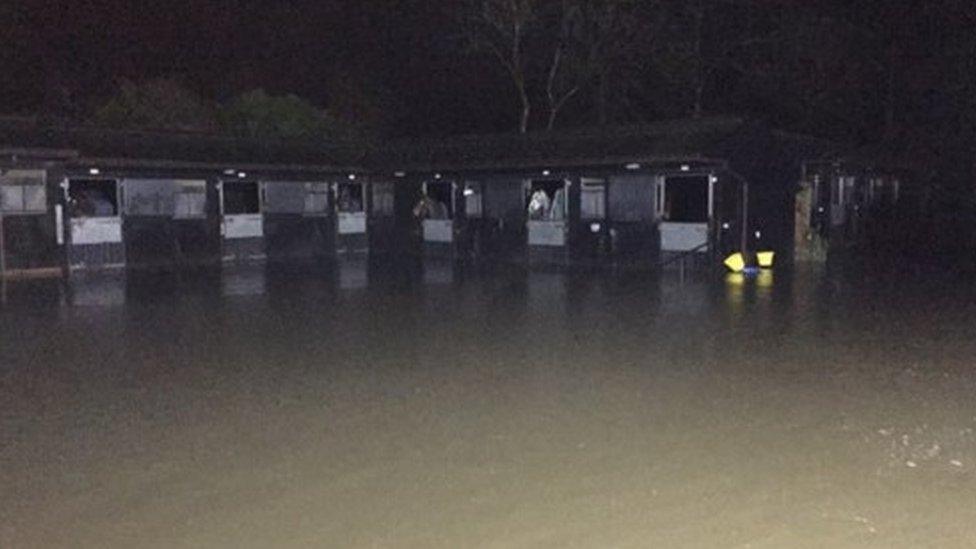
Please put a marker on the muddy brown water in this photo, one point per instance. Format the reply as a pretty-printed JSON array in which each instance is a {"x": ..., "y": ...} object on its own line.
[{"x": 381, "y": 407}]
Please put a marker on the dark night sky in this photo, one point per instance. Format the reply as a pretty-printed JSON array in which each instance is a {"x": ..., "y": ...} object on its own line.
[{"x": 61, "y": 52}]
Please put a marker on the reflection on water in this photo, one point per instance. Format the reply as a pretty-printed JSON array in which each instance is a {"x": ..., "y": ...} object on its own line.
[
  {"x": 244, "y": 281},
  {"x": 353, "y": 274},
  {"x": 437, "y": 272},
  {"x": 562, "y": 291},
  {"x": 97, "y": 290},
  {"x": 497, "y": 407}
]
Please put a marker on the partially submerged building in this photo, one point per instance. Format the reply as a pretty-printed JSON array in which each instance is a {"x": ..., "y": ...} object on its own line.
[
  {"x": 85, "y": 198},
  {"x": 100, "y": 199},
  {"x": 843, "y": 197},
  {"x": 704, "y": 186}
]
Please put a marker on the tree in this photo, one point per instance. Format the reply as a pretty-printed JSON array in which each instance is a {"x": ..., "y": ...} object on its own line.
[
  {"x": 500, "y": 29},
  {"x": 571, "y": 63},
  {"x": 683, "y": 52},
  {"x": 256, "y": 114},
  {"x": 596, "y": 39},
  {"x": 156, "y": 104},
  {"x": 553, "y": 50}
]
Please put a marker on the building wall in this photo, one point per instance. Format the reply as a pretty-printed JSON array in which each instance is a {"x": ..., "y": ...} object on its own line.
[
  {"x": 30, "y": 239},
  {"x": 632, "y": 220}
]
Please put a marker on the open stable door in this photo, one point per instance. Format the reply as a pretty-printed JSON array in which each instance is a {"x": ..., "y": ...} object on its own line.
[
  {"x": 95, "y": 223},
  {"x": 242, "y": 220},
  {"x": 547, "y": 209},
  {"x": 437, "y": 209},
  {"x": 685, "y": 204},
  {"x": 350, "y": 208}
]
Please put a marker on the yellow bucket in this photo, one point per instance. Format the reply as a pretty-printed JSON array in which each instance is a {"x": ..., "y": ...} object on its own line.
[
  {"x": 735, "y": 263},
  {"x": 765, "y": 259}
]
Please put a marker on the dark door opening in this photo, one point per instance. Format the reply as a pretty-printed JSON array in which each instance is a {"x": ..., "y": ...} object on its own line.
[
  {"x": 242, "y": 198},
  {"x": 93, "y": 198},
  {"x": 546, "y": 200},
  {"x": 350, "y": 198},
  {"x": 437, "y": 201},
  {"x": 686, "y": 199}
]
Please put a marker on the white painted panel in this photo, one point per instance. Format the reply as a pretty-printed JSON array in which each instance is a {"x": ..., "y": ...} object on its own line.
[
  {"x": 682, "y": 237},
  {"x": 243, "y": 226},
  {"x": 59, "y": 223},
  {"x": 438, "y": 230},
  {"x": 352, "y": 223},
  {"x": 547, "y": 233},
  {"x": 96, "y": 230}
]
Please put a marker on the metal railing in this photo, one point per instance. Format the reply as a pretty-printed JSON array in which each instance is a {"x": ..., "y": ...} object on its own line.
[{"x": 681, "y": 257}]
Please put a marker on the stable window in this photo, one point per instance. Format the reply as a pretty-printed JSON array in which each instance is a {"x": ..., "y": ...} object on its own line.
[
  {"x": 593, "y": 200},
  {"x": 547, "y": 201},
  {"x": 473, "y": 205},
  {"x": 242, "y": 198},
  {"x": 316, "y": 198},
  {"x": 686, "y": 199},
  {"x": 350, "y": 198},
  {"x": 93, "y": 198},
  {"x": 23, "y": 192},
  {"x": 149, "y": 197},
  {"x": 281, "y": 197},
  {"x": 190, "y": 200},
  {"x": 849, "y": 188},
  {"x": 383, "y": 199}
]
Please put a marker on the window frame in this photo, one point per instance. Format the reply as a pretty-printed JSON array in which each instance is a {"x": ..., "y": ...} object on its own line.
[
  {"x": 318, "y": 188},
  {"x": 586, "y": 185},
  {"x": 180, "y": 185}
]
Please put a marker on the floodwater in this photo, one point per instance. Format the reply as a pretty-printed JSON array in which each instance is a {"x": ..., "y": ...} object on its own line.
[{"x": 379, "y": 407}]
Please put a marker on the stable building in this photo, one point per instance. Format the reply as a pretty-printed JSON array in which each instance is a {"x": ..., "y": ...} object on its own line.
[
  {"x": 76, "y": 199},
  {"x": 637, "y": 194}
]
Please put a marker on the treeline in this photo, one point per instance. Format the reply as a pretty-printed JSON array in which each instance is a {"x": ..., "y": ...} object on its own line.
[
  {"x": 855, "y": 72},
  {"x": 166, "y": 104},
  {"x": 849, "y": 70}
]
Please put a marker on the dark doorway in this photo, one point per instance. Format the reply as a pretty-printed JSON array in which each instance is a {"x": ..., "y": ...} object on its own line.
[
  {"x": 93, "y": 198},
  {"x": 242, "y": 198},
  {"x": 546, "y": 200},
  {"x": 686, "y": 199}
]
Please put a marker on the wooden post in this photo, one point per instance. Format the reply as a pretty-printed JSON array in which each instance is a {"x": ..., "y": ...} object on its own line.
[
  {"x": 745, "y": 217},
  {"x": 3, "y": 261}
]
